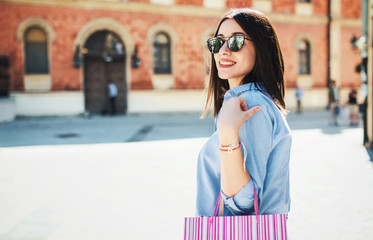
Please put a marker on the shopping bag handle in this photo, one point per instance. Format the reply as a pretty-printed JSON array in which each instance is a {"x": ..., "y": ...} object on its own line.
[
  {"x": 219, "y": 207},
  {"x": 256, "y": 206},
  {"x": 216, "y": 208}
]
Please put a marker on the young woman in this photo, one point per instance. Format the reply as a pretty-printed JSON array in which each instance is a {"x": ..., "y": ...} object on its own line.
[{"x": 251, "y": 145}]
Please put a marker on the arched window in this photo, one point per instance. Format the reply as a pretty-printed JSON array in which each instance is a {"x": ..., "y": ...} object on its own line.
[
  {"x": 162, "y": 53},
  {"x": 36, "y": 51},
  {"x": 304, "y": 53}
]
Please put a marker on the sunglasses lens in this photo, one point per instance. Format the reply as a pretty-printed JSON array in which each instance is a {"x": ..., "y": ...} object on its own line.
[
  {"x": 235, "y": 43},
  {"x": 214, "y": 44}
]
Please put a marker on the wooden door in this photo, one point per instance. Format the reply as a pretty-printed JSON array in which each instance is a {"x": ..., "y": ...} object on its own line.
[
  {"x": 115, "y": 71},
  {"x": 97, "y": 75}
]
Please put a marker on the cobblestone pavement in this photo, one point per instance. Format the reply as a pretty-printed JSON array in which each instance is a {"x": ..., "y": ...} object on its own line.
[{"x": 134, "y": 178}]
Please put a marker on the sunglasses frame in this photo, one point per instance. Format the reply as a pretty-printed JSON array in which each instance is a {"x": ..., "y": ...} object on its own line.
[{"x": 223, "y": 41}]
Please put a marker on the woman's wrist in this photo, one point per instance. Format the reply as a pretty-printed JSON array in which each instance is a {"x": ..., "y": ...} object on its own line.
[
  {"x": 230, "y": 147},
  {"x": 228, "y": 137}
]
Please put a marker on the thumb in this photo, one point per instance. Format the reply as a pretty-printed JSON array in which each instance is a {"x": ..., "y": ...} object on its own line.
[
  {"x": 243, "y": 104},
  {"x": 251, "y": 112}
]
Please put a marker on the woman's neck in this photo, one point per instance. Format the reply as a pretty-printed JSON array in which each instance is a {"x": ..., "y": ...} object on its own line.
[{"x": 234, "y": 82}]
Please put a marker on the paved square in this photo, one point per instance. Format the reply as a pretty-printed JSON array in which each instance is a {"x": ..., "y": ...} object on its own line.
[{"x": 142, "y": 190}]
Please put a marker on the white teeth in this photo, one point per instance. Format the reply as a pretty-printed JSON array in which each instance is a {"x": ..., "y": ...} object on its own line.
[{"x": 227, "y": 63}]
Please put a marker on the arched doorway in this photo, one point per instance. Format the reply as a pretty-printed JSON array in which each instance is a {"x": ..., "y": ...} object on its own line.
[{"x": 104, "y": 61}]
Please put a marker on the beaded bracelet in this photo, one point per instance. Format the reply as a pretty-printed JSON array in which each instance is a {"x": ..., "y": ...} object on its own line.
[{"x": 230, "y": 148}]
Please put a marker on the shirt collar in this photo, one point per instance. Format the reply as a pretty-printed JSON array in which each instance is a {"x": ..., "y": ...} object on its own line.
[{"x": 236, "y": 91}]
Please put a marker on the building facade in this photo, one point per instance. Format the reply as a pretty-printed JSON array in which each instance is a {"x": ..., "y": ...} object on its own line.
[
  {"x": 60, "y": 55},
  {"x": 368, "y": 44}
]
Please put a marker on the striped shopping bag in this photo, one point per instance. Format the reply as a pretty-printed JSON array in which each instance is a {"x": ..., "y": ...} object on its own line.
[{"x": 248, "y": 227}]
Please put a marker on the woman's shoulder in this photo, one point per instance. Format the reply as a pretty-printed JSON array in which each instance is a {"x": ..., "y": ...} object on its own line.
[
  {"x": 255, "y": 96},
  {"x": 259, "y": 97}
]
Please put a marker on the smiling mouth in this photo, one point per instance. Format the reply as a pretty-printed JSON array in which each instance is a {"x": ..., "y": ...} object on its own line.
[{"x": 226, "y": 63}]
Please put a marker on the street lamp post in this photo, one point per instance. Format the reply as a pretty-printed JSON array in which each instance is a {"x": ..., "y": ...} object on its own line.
[
  {"x": 363, "y": 72},
  {"x": 361, "y": 44}
]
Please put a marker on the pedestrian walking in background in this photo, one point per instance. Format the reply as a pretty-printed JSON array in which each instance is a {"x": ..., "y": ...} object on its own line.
[
  {"x": 113, "y": 93},
  {"x": 299, "y": 94},
  {"x": 353, "y": 107},
  {"x": 334, "y": 103},
  {"x": 251, "y": 145}
]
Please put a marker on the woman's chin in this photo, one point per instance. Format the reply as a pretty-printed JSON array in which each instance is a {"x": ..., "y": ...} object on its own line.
[{"x": 224, "y": 76}]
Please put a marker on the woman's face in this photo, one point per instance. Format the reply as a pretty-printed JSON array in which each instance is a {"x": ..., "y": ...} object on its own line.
[{"x": 234, "y": 66}]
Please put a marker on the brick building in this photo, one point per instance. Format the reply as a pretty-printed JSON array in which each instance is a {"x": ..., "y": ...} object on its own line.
[{"x": 60, "y": 54}]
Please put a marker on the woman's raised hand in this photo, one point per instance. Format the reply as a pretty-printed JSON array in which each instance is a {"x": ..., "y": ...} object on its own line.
[{"x": 233, "y": 114}]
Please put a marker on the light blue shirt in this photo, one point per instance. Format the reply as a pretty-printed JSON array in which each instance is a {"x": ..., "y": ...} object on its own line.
[
  {"x": 266, "y": 140},
  {"x": 113, "y": 90}
]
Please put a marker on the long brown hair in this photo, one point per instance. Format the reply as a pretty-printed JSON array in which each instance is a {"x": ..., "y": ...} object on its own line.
[{"x": 269, "y": 64}]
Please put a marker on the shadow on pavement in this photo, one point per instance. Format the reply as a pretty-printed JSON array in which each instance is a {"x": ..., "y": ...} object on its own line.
[
  {"x": 317, "y": 120},
  {"x": 98, "y": 129},
  {"x": 133, "y": 128}
]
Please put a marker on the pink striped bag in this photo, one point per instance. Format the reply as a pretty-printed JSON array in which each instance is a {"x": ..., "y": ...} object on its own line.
[{"x": 248, "y": 227}]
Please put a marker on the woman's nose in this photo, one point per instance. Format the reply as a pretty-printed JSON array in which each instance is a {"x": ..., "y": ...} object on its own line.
[{"x": 224, "y": 50}]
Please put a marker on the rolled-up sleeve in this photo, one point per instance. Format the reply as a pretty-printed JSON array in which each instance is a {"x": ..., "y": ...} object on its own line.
[{"x": 242, "y": 202}]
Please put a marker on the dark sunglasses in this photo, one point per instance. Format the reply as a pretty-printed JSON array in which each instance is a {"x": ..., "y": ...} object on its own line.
[{"x": 235, "y": 43}]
